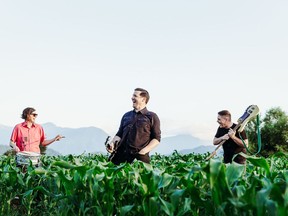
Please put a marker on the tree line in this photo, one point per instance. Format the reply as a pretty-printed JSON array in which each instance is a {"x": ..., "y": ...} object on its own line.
[{"x": 273, "y": 129}]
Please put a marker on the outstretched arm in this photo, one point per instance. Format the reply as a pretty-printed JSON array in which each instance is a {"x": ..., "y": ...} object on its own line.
[{"x": 48, "y": 142}]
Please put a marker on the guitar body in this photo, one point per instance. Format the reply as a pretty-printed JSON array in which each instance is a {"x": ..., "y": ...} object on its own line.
[
  {"x": 112, "y": 154},
  {"x": 116, "y": 147}
]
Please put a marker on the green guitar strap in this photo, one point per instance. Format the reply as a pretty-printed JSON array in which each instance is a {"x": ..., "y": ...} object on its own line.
[{"x": 258, "y": 138}]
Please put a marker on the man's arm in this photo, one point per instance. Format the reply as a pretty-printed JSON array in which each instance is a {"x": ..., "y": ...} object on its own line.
[
  {"x": 152, "y": 144},
  {"x": 218, "y": 140},
  {"x": 238, "y": 141},
  {"x": 48, "y": 142}
]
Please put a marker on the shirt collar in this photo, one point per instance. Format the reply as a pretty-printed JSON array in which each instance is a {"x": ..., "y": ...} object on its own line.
[
  {"x": 24, "y": 124},
  {"x": 143, "y": 111}
]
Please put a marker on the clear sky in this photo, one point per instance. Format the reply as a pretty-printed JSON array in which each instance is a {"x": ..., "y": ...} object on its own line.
[{"x": 78, "y": 62}]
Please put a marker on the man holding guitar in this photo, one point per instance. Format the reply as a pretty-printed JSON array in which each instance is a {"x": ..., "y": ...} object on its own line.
[
  {"x": 232, "y": 140},
  {"x": 138, "y": 134}
]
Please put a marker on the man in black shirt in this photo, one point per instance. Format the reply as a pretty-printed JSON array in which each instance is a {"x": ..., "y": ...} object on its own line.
[
  {"x": 138, "y": 134},
  {"x": 233, "y": 144}
]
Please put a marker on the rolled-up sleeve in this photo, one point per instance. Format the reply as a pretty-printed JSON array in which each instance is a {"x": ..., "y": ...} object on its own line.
[{"x": 156, "y": 131}]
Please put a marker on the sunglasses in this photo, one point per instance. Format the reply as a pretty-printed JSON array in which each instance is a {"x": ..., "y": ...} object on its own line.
[{"x": 34, "y": 114}]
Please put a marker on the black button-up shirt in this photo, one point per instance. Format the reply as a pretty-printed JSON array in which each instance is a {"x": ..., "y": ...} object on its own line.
[{"x": 137, "y": 129}]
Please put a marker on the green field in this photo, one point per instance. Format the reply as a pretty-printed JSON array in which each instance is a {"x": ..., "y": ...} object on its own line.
[{"x": 171, "y": 185}]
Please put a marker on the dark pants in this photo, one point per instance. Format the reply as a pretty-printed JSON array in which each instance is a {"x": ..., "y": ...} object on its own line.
[
  {"x": 122, "y": 156},
  {"x": 238, "y": 159}
]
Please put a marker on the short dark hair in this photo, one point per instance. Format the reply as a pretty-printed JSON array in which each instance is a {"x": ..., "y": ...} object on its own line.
[
  {"x": 143, "y": 93},
  {"x": 225, "y": 113},
  {"x": 27, "y": 111}
]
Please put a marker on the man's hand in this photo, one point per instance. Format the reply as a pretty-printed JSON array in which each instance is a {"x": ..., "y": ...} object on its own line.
[
  {"x": 14, "y": 147},
  {"x": 225, "y": 137},
  {"x": 231, "y": 133},
  {"x": 58, "y": 137},
  {"x": 110, "y": 147}
]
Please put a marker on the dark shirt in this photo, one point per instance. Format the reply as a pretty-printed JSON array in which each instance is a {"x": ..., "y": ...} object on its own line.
[
  {"x": 137, "y": 129},
  {"x": 230, "y": 147}
]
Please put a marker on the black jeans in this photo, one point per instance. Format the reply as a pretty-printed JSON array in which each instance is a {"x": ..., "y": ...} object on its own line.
[{"x": 123, "y": 156}]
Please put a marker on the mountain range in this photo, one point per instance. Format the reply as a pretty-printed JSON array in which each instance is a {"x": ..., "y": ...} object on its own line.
[{"x": 91, "y": 140}]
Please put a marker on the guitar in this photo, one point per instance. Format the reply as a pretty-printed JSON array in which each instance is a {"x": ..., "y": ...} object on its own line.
[
  {"x": 116, "y": 146},
  {"x": 118, "y": 143},
  {"x": 251, "y": 112}
]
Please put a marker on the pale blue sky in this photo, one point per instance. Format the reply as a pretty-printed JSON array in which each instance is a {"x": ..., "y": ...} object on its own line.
[{"x": 78, "y": 62}]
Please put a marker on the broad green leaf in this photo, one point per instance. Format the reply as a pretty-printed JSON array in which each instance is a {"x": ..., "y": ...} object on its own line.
[
  {"x": 63, "y": 164},
  {"x": 234, "y": 171},
  {"x": 166, "y": 207},
  {"x": 125, "y": 209},
  {"x": 257, "y": 161}
]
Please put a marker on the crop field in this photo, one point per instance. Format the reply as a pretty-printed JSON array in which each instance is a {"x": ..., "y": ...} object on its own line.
[{"x": 170, "y": 185}]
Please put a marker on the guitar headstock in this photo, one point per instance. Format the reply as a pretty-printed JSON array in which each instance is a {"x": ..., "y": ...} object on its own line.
[
  {"x": 107, "y": 140},
  {"x": 251, "y": 112}
]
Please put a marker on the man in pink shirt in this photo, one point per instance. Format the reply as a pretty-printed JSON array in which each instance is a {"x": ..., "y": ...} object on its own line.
[{"x": 28, "y": 136}]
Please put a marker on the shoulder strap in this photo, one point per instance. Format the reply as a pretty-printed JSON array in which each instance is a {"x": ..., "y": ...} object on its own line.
[{"x": 127, "y": 131}]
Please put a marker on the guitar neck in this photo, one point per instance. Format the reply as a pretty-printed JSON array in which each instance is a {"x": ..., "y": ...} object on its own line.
[{"x": 236, "y": 127}]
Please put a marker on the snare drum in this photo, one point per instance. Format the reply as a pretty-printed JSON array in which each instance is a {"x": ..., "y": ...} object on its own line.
[{"x": 24, "y": 158}]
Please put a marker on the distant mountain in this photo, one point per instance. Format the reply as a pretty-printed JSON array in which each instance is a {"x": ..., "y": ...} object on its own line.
[
  {"x": 91, "y": 140},
  {"x": 4, "y": 148},
  {"x": 5, "y": 133},
  {"x": 179, "y": 142},
  {"x": 198, "y": 150},
  {"x": 76, "y": 141}
]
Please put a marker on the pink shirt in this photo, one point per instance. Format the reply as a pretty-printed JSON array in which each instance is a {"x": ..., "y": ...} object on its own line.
[{"x": 28, "y": 139}]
